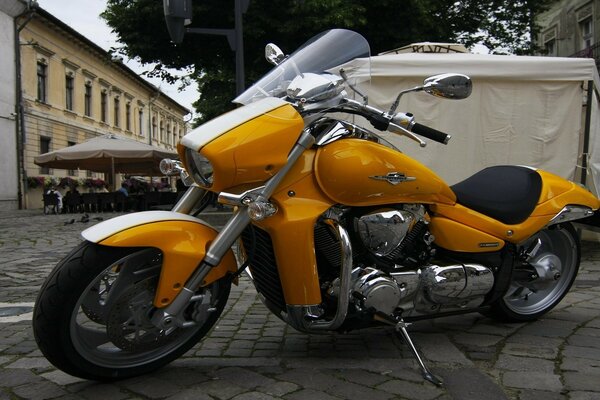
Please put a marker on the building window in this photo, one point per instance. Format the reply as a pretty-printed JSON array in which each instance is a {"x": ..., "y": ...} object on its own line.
[
  {"x": 141, "y": 122},
  {"x": 71, "y": 172},
  {"x": 550, "y": 47},
  {"x": 87, "y": 100},
  {"x": 128, "y": 116},
  {"x": 69, "y": 91},
  {"x": 117, "y": 111},
  {"x": 44, "y": 148},
  {"x": 168, "y": 141},
  {"x": 153, "y": 133},
  {"x": 162, "y": 131},
  {"x": 586, "y": 28},
  {"x": 103, "y": 106},
  {"x": 42, "y": 81}
]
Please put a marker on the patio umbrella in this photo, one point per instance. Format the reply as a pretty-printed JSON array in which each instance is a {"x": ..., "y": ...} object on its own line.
[{"x": 109, "y": 154}]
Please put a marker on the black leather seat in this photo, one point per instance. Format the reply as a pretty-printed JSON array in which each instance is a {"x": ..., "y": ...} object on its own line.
[{"x": 506, "y": 193}]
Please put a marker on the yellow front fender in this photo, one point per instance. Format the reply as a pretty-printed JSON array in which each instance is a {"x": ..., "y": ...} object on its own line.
[{"x": 182, "y": 239}]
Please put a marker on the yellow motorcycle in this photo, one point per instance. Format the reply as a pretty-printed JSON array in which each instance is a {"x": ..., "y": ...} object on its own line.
[{"x": 338, "y": 229}]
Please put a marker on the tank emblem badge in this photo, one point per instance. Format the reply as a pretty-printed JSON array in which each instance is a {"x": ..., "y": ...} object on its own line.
[{"x": 394, "y": 178}]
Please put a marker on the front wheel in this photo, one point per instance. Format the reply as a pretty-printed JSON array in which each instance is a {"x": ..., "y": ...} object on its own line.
[
  {"x": 540, "y": 285},
  {"x": 92, "y": 315}
]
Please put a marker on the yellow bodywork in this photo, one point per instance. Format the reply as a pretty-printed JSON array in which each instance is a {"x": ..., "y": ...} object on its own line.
[
  {"x": 459, "y": 237},
  {"x": 300, "y": 203},
  {"x": 254, "y": 151},
  {"x": 556, "y": 194},
  {"x": 183, "y": 245},
  {"x": 347, "y": 171}
]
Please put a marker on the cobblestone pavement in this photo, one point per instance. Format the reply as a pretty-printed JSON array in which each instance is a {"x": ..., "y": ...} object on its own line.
[{"x": 250, "y": 354}]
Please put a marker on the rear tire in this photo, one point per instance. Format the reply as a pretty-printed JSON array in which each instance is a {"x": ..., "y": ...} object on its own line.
[
  {"x": 558, "y": 259},
  {"x": 91, "y": 317}
]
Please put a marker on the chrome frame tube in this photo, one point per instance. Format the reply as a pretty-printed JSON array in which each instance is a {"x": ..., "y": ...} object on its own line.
[{"x": 190, "y": 198}]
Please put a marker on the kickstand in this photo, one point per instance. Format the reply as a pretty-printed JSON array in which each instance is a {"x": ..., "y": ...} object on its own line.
[{"x": 400, "y": 326}]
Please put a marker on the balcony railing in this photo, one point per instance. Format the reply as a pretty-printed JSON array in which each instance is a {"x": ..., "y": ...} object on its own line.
[{"x": 590, "y": 52}]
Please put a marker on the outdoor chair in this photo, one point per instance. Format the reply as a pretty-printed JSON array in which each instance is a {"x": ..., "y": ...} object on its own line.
[
  {"x": 50, "y": 203},
  {"x": 73, "y": 203},
  {"x": 151, "y": 199},
  {"x": 168, "y": 198},
  {"x": 120, "y": 201},
  {"x": 105, "y": 202},
  {"x": 90, "y": 202}
]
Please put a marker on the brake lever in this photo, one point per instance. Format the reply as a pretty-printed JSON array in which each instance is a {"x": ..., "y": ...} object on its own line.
[
  {"x": 405, "y": 132},
  {"x": 391, "y": 126}
]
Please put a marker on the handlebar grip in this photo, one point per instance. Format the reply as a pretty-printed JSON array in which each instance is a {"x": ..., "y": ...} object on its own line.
[{"x": 431, "y": 133}]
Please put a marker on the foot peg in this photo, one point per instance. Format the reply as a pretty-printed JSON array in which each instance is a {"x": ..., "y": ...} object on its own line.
[{"x": 400, "y": 326}]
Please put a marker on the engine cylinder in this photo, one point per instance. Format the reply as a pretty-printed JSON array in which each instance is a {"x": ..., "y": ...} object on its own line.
[{"x": 383, "y": 231}]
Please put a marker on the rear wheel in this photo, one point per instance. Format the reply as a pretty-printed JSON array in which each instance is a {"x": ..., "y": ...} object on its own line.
[
  {"x": 540, "y": 285},
  {"x": 92, "y": 316}
]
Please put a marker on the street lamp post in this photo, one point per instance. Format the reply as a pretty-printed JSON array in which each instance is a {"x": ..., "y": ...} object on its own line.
[{"x": 235, "y": 37}]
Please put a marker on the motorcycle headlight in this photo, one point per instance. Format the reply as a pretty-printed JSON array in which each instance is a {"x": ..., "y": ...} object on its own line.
[{"x": 200, "y": 169}]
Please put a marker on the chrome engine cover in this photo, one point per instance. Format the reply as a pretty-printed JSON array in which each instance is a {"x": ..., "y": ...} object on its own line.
[
  {"x": 459, "y": 285},
  {"x": 376, "y": 290},
  {"x": 424, "y": 291},
  {"x": 429, "y": 290},
  {"x": 383, "y": 231}
]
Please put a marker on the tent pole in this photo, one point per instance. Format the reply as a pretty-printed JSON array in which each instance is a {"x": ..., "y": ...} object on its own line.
[
  {"x": 112, "y": 168},
  {"x": 586, "y": 133}
]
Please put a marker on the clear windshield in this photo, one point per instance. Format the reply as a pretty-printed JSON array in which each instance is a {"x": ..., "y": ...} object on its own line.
[{"x": 320, "y": 54}]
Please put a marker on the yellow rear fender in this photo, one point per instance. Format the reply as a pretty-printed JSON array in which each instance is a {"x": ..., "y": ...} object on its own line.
[
  {"x": 182, "y": 239},
  {"x": 558, "y": 193}
]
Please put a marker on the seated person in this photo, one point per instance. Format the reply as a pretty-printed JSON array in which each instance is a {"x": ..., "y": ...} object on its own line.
[{"x": 54, "y": 190}]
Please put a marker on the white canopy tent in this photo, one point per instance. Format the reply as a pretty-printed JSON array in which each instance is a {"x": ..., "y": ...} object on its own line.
[{"x": 523, "y": 111}]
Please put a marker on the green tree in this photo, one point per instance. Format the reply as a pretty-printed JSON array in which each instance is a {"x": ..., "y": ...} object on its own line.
[{"x": 139, "y": 24}]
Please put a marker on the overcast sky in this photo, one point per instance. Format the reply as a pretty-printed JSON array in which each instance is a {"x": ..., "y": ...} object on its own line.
[{"x": 83, "y": 16}]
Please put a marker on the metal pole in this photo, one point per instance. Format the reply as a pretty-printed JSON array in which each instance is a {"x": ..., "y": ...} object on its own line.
[
  {"x": 586, "y": 133},
  {"x": 235, "y": 37},
  {"x": 21, "y": 132},
  {"x": 112, "y": 170},
  {"x": 239, "y": 46}
]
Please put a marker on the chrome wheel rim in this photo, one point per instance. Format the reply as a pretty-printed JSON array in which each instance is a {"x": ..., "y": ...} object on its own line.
[
  {"x": 556, "y": 262},
  {"x": 121, "y": 299}
]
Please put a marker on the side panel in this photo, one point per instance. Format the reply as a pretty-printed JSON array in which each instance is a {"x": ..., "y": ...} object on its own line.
[
  {"x": 455, "y": 236},
  {"x": 300, "y": 202},
  {"x": 510, "y": 233},
  {"x": 183, "y": 245},
  {"x": 345, "y": 171}
]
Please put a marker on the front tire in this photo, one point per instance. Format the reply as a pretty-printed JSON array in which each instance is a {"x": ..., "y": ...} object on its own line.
[
  {"x": 92, "y": 315},
  {"x": 555, "y": 264}
]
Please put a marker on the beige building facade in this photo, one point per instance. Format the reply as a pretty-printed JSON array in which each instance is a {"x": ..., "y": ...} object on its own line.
[
  {"x": 571, "y": 28},
  {"x": 9, "y": 183},
  {"x": 73, "y": 91}
]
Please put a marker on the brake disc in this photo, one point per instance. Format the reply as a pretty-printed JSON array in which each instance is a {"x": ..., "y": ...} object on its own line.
[{"x": 128, "y": 323}]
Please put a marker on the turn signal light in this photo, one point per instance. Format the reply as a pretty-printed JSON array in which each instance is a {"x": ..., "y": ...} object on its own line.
[{"x": 260, "y": 210}]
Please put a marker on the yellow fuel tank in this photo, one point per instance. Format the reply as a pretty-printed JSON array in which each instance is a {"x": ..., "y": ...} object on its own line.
[{"x": 357, "y": 172}]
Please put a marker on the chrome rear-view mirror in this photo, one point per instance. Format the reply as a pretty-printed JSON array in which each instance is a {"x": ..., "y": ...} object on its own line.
[
  {"x": 273, "y": 54},
  {"x": 449, "y": 86}
]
